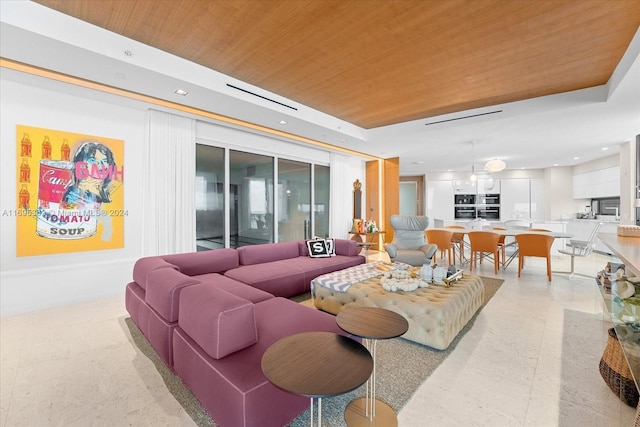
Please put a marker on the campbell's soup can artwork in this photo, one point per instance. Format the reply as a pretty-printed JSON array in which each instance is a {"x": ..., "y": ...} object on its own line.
[{"x": 57, "y": 219}]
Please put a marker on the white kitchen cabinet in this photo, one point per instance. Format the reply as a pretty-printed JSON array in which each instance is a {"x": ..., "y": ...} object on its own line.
[
  {"x": 521, "y": 198},
  {"x": 600, "y": 183},
  {"x": 440, "y": 200},
  {"x": 582, "y": 186},
  {"x": 536, "y": 199}
]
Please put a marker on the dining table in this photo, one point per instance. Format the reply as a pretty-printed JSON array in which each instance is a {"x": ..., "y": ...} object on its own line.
[{"x": 507, "y": 233}]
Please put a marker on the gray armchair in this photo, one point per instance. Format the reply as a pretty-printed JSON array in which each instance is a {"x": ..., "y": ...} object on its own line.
[{"x": 409, "y": 244}]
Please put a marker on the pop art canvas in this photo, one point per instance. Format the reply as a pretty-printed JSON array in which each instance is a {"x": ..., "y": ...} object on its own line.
[{"x": 70, "y": 192}]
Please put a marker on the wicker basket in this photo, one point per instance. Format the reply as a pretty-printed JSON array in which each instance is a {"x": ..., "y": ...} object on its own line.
[
  {"x": 616, "y": 373},
  {"x": 629, "y": 230}
]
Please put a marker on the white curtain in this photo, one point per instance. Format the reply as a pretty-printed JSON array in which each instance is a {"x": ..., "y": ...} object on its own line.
[
  {"x": 169, "y": 187},
  {"x": 340, "y": 220}
]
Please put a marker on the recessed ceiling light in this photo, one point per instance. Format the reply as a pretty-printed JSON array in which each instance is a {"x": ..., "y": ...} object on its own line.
[
  {"x": 555, "y": 164},
  {"x": 418, "y": 162},
  {"x": 605, "y": 148},
  {"x": 128, "y": 53},
  {"x": 282, "y": 122},
  {"x": 576, "y": 158},
  {"x": 120, "y": 75},
  {"x": 181, "y": 92}
]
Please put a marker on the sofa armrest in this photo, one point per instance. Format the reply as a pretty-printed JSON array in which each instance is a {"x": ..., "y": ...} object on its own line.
[
  {"x": 346, "y": 247},
  {"x": 221, "y": 323},
  {"x": 144, "y": 266},
  {"x": 163, "y": 291}
]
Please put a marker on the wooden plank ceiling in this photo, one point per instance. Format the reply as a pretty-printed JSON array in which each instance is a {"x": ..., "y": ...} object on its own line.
[{"x": 381, "y": 62}]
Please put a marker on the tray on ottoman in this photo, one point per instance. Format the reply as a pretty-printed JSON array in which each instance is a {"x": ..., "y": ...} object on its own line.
[{"x": 436, "y": 314}]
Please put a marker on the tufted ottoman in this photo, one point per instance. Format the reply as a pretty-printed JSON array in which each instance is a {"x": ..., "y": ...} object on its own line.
[{"x": 435, "y": 314}]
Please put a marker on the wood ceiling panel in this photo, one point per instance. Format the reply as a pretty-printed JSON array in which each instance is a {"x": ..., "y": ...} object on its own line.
[{"x": 379, "y": 62}]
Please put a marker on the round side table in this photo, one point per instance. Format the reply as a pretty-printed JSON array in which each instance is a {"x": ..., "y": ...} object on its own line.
[
  {"x": 317, "y": 365},
  {"x": 371, "y": 324}
]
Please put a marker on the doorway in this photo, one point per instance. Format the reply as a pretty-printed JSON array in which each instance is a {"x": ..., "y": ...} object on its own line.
[{"x": 412, "y": 195}]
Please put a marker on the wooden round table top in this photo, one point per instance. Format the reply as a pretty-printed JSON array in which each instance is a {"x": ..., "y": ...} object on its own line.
[
  {"x": 372, "y": 322},
  {"x": 317, "y": 364}
]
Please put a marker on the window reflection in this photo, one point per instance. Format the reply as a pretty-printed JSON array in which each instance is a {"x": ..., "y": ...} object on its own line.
[
  {"x": 209, "y": 197},
  {"x": 251, "y": 189},
  {"x": 294, "y": 197}
]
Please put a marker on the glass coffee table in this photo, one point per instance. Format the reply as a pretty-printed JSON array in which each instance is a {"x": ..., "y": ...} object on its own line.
[
  {"x": 317, "y": 365},
  {"x": 372, "y": 324}
]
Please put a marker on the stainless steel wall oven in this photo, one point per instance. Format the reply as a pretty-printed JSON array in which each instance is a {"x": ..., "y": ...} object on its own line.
[
  {"x": 464, "y": 206},
  {"x": 465, "y": 212}
]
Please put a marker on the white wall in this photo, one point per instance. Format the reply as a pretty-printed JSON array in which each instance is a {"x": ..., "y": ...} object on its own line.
[
  {"x": 37, "y": 282},
  {"x": 30, "y": 283}
]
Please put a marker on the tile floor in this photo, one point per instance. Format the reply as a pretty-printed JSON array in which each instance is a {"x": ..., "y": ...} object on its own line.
[{"x": 531, "y": 359}]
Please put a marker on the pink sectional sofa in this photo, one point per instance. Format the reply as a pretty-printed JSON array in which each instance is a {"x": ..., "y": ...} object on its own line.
[{"x": 212, "y": 315}]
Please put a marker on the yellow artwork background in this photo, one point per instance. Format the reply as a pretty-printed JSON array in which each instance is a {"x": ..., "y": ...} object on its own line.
[{"x": 27, "y": 241}]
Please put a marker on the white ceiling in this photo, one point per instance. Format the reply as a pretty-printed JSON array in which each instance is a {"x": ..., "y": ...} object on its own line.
[{"x": 535, "y": 133}]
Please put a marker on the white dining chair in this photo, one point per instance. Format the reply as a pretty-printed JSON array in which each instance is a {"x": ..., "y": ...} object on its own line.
[{"x": 580, "y": 248}]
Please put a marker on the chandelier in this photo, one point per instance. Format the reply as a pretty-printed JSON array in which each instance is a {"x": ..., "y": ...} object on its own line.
[{"x": 495, "y": 165}]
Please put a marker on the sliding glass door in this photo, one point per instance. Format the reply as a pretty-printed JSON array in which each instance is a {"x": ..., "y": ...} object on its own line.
[
  {"x": 252, "y": 177},
  {"x": 210, "y": 199},
  {"x": 250, "y": 207}
]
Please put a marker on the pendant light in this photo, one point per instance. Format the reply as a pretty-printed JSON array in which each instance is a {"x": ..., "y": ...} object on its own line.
[{"x": 495, "y": 165}]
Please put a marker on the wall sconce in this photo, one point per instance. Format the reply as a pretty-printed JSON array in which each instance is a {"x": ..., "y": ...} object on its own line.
[{"x": 495, "y": 165}]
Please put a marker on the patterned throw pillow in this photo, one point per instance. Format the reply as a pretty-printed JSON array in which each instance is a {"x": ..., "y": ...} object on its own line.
[
  {"x": 318, "y": 248},
  {"x": 330, "y": 245}
]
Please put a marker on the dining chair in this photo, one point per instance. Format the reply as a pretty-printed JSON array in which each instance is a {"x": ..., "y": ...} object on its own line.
[
  {"x": 484, "y": 242},
  {"x": 536, "y": 245},
  {"x": 458, "y": 240},
  {"x": 442, "y": 239},
  {"x": 580, "y": 248},
  {"x": 501, "y": 244}
]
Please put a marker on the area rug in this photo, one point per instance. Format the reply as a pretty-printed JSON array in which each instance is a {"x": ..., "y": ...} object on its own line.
[{"x": 402, "y": 366}]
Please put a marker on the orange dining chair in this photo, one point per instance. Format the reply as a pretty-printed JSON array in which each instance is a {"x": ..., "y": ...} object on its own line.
[
  {"x": 458, "y": 240},
  {"x": 484, "y": 242},
  {"x": 501, "y": 243},
  {"x": 442, "y": 239},
  {"x": 538, "y": 245}
]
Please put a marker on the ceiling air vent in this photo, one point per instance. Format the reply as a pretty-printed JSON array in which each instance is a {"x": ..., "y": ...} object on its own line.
[
  {"x": 260, "y": 96},
  {"x": 465, "y": 117}
]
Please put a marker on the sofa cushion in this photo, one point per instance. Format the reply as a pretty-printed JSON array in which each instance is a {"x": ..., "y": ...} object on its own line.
[
  {"x": 215, "y": 261},
  {"x": 221, "y": 323},
  {"x": 143, "y": 266},
  {"x": 234, "y": 287},
  {"x": 284, "y": 278},
  {"x": 258, "y": 254},
  {"x": 163, "y": 291}
]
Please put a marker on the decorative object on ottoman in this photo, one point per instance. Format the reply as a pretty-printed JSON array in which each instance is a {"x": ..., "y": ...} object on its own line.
[
  {"x": 616, "y": 373},
  {"x": 402, "y": 280}
]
